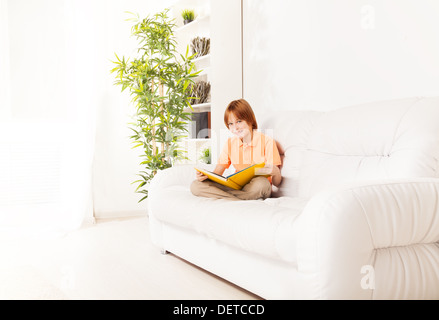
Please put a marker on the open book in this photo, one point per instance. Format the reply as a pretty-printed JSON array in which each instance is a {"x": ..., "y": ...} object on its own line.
[{"x": 236, "y": 180}]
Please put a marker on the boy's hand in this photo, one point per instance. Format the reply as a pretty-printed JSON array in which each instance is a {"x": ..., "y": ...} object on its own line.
[
  {"x": 267, "y": 170},
  {"x": 200, "y": 176}
]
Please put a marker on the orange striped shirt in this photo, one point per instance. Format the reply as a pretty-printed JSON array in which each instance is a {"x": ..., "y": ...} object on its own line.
[{"x": 241, "y": 155}]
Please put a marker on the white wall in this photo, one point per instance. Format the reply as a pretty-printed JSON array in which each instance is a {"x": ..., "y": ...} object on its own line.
[{"x": 322, "y": 55}]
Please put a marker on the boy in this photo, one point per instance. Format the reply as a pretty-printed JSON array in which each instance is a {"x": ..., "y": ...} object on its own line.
[{"x": 247, "y": 147}]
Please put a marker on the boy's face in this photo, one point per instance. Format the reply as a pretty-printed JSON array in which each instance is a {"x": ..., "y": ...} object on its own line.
[{"x": 238, "y": 127}]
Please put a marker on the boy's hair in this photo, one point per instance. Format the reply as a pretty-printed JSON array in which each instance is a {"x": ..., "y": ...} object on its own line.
[{"x": 242, "y": 110}]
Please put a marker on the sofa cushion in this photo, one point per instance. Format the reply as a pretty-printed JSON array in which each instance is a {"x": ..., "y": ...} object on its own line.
[
  {"x": 291, "y": 130},
  {"x": 260, "y": 226},
  {"x": 388, "y": 139}
]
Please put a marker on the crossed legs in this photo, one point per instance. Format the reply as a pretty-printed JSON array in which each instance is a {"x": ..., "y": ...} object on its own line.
[{"x": 257, "y": 188}]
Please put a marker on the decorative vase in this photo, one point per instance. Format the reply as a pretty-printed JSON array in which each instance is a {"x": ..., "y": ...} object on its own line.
[{"x": 187, "y": 21}]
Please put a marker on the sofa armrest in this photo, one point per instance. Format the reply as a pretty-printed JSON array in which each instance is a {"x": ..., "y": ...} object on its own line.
[
  {"x": 389, "y": 229},
  {"x": 179, "y": 175}
]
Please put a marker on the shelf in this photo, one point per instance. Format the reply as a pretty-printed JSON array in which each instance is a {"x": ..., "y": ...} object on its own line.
[
  {"x": 200, "y": 27},
  {"x": 192, "y": 25},
  {"x": 203, "y": 107},
  {"x": 201, "y": 59},
  {"x": 204, "y": 73}
]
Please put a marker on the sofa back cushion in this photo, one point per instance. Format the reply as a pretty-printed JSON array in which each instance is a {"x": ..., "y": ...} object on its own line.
[
  {"x": 382, "y": 140},
  {"x": 291, "y": 130}
]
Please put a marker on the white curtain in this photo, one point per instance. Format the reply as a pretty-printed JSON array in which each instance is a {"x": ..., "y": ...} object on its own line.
[
  {"x": 47, "y": 116},
  {"x": 65, "y": 152}
]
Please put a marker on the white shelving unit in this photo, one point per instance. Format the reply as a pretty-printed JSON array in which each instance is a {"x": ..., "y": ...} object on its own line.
[
  {"x": 190, "y": 27},
  {"x": 202, "y": 107},
  {"x": 202, "y": 59},
  {"x": 200, "y": 27}
]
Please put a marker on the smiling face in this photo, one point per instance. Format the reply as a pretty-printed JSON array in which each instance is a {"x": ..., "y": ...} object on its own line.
[
  {"x": 239, "y": 128},
  {"x": 240, "y": 119}
]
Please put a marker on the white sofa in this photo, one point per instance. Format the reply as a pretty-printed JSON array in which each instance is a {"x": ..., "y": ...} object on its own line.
[{"x": 356, "y": 217}]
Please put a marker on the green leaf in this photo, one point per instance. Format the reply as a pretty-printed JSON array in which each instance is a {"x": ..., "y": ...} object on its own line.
[
  {"x": 143, "y": 198},
  {"x": 137, "y": 145},
  {"x": 140, "y": 186}
]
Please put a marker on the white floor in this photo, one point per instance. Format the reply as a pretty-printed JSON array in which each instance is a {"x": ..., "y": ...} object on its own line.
[{"x": 109, "y": 260}]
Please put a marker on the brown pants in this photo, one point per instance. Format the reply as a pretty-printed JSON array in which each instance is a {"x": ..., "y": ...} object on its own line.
[{"x": 257, "y": 188}]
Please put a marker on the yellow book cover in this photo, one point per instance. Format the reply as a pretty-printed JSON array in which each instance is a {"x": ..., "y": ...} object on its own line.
[{"x": 236, "y": 180}]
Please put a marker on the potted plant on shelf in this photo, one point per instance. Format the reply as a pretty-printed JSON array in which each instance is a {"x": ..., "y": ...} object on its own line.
[
  {"x": 205, "y": 156},
  {"x": 158, "y": 82},
  {"x": 188, "y": 15}
]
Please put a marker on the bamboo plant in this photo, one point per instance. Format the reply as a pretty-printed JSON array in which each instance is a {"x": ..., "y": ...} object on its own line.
[{"x": 158, "y": 81}]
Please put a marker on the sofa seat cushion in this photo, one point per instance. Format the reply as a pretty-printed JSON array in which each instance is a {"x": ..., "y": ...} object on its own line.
[{"x": 265, "y": 227}]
